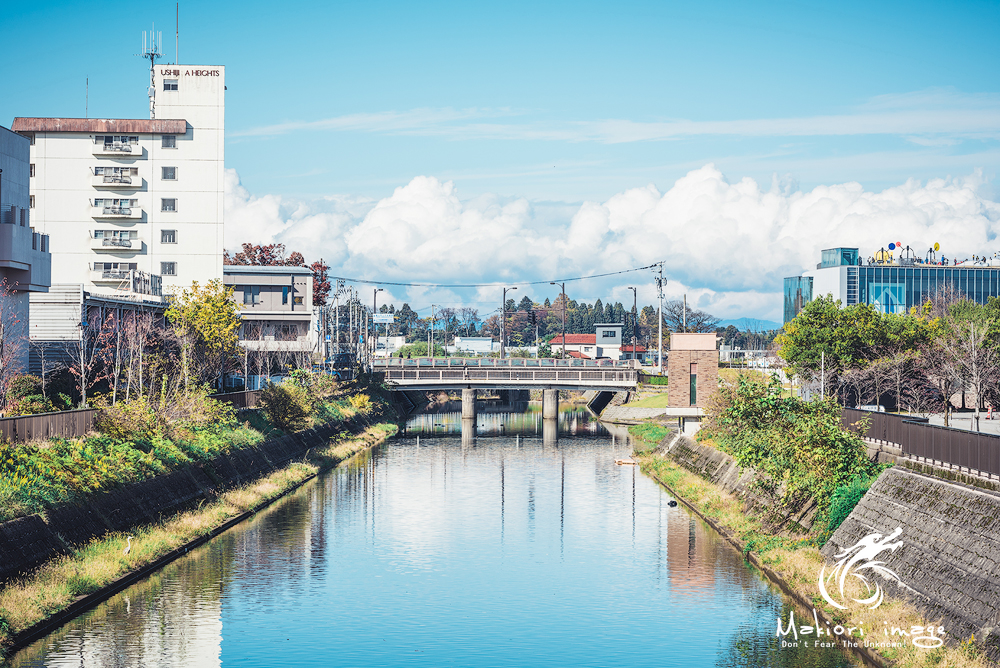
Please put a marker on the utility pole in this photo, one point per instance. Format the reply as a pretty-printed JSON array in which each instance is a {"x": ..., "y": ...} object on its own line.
[
  {"x": 635, "y": 316},
  {"x": 659, "y": 348},
  {"x": 503, "y": 323},
  {"x": 562, "y": 351},
  {"x": 375, "y": 326}
]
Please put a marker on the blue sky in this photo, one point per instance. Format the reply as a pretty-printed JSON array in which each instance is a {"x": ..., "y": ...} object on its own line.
[{"x": 331, "y": 107}]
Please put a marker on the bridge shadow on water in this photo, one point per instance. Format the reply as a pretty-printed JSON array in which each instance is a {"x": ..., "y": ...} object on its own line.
[{"x": 572, "y": 421}]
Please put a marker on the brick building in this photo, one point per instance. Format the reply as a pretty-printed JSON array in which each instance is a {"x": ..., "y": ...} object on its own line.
[{"x": 692, "y": 369}]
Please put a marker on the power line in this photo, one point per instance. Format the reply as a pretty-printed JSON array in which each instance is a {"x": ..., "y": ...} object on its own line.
[{"x": 490, "y": 285}]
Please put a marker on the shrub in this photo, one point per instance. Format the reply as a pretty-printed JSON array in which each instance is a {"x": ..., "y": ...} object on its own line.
[
  {"x": 23, "y": 386},
  {"x": 135, "y": 420},
  {"x": 195, "y": 408},
  {"x": 286, "y": 405},
  {"x": 843, "y": 500},
  {"x": 361, "y": 402}
]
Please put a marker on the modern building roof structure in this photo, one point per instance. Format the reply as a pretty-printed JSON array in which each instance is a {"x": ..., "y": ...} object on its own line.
[{"x": 891, "y": 281}]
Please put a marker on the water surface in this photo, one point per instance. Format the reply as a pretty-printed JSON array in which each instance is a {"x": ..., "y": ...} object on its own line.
[{"x": 508, "y": 550}]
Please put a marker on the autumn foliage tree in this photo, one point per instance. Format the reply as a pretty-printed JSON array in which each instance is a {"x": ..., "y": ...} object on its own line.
[{"x": 207, "y": 321}]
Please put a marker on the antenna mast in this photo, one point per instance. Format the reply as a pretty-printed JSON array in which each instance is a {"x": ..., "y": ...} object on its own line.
[
  {"x": 151, "y": 49},
  {"x": 177, "y": 33}
]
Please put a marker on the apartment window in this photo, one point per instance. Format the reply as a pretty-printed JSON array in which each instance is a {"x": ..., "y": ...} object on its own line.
[
  {"x": 608, "y": 334},
  {"x": 170, "y": 84},
  {"x": 168, "y": 269},
  {"x": 251, "y": 294},
  {"x": 116, "y": 266},
  {"x": 284, "y": 294},
  {"x": 168, "y": 236},
  {"x": 31, "y": 169},
  {"x": 116, "y": 234},
  {"x": 169, "y": 141},
  {"x": 108, "y": 140},
  {"x": 31, "y": 201},
  {"x": 168, "y": 204},
  {"x": 169, "y": 173}
]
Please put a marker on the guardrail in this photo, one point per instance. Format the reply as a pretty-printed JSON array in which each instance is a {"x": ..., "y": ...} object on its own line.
[
  {"x": 931, "y": 443},
  {"x": 494, "y": 362},
  {"x": 67, "y": 424},
  {"x": 412, "y": 376}
]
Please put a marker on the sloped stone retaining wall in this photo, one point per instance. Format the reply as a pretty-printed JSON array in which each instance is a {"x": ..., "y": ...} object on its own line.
[
  {"x": 949, "y": 562},
  {"x": 27, "y": 542},
  {"x": 721, "y": 469}
]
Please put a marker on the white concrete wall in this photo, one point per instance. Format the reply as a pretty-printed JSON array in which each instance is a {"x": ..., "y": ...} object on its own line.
[{"x": 64, "y": 190}]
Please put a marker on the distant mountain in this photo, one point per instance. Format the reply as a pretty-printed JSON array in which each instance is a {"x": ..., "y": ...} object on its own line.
[{"x": 751, "y": 324}]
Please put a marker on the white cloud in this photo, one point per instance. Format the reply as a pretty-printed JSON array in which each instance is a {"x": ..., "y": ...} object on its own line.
[
  {"x": 929, "y": 116},
  {"x": 726, "y": 245}
]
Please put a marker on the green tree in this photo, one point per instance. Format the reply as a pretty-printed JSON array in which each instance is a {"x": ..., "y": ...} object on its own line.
[{"x": 206, "y": 319}]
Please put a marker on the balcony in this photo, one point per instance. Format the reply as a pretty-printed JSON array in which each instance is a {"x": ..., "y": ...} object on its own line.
[
  {"x": 113, "y": 275},
  {"x": 117, "y": 181},
  {"x": 117, "y": 212},
  {"x": 118, "y": 150},
  {"x": 115, "y": 244}
]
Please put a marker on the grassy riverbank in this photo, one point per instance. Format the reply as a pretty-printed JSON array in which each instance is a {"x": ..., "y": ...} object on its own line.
[
  {"x": 796, "y": 561},
  {"x": 63, "y": 581},
  {"x": 147, "y": 437}
]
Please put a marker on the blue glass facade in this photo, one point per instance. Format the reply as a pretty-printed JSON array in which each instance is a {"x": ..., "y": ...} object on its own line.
[
  {"x": 890, "y": 288},
  {"x": 798, "y": 293},
  {"x": 897, "y": 289}
]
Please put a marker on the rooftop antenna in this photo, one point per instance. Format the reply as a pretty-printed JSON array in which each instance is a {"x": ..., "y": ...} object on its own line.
[
  {"x": 177, "y": 33},
  {"x": 151, "y": 42}
]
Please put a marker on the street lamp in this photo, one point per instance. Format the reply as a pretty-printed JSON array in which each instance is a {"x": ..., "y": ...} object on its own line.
[
  {"x": 562, "y": 352},
  {"x": 635, "y": 316},
  {"x": 503, "y": 327},
  {"x": 375, "y": 326}
]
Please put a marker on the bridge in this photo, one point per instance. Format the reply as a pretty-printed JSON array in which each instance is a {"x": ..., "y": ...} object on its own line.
[{"x": 471, "y": 374}]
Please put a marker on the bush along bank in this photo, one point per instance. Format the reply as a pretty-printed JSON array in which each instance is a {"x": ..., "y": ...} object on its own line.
[
  {"x": 152, "y": 436},
  {"x": 355, "y": 414},
  {"x": 780, "y": 520}
]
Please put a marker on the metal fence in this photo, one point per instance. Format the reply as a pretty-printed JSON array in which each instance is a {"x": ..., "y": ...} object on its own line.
[
  {"x": 80, "y": 422},
  {"x": 951, "y": 447},
  {"x": 67, "y": 424},
  {"x": 240, "y": 400}
]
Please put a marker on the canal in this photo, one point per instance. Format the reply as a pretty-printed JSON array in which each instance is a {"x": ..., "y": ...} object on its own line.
[{"x": 504, "y": 548}]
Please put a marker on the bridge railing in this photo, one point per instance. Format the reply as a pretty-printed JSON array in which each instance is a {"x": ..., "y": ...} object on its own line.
[
  {"x": 513, "y": 363},
  {"x": 405, "y": 375}
]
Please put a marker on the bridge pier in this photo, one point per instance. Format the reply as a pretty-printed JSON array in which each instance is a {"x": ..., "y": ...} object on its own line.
[
  {"x": 468, "y": 404},
  {"x": 550, "y": 404}
]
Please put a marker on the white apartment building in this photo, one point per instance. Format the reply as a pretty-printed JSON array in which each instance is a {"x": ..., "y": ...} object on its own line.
[{"x": 135, "y": 205}]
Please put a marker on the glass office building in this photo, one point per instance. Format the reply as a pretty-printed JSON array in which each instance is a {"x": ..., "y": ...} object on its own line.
[{"x": 891, "y": 288}]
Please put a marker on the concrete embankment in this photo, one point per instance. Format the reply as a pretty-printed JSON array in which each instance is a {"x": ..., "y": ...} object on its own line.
[
  {"x": 27, "y": 542},
  {"x": 949, "y": 562},
  {"x": 721, "y": 469}
]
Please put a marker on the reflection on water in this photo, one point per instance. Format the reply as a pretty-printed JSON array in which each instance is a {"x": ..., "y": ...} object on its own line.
[
  {"x": 572, "y": 421},
  {"x": 510, "y": 550}
]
